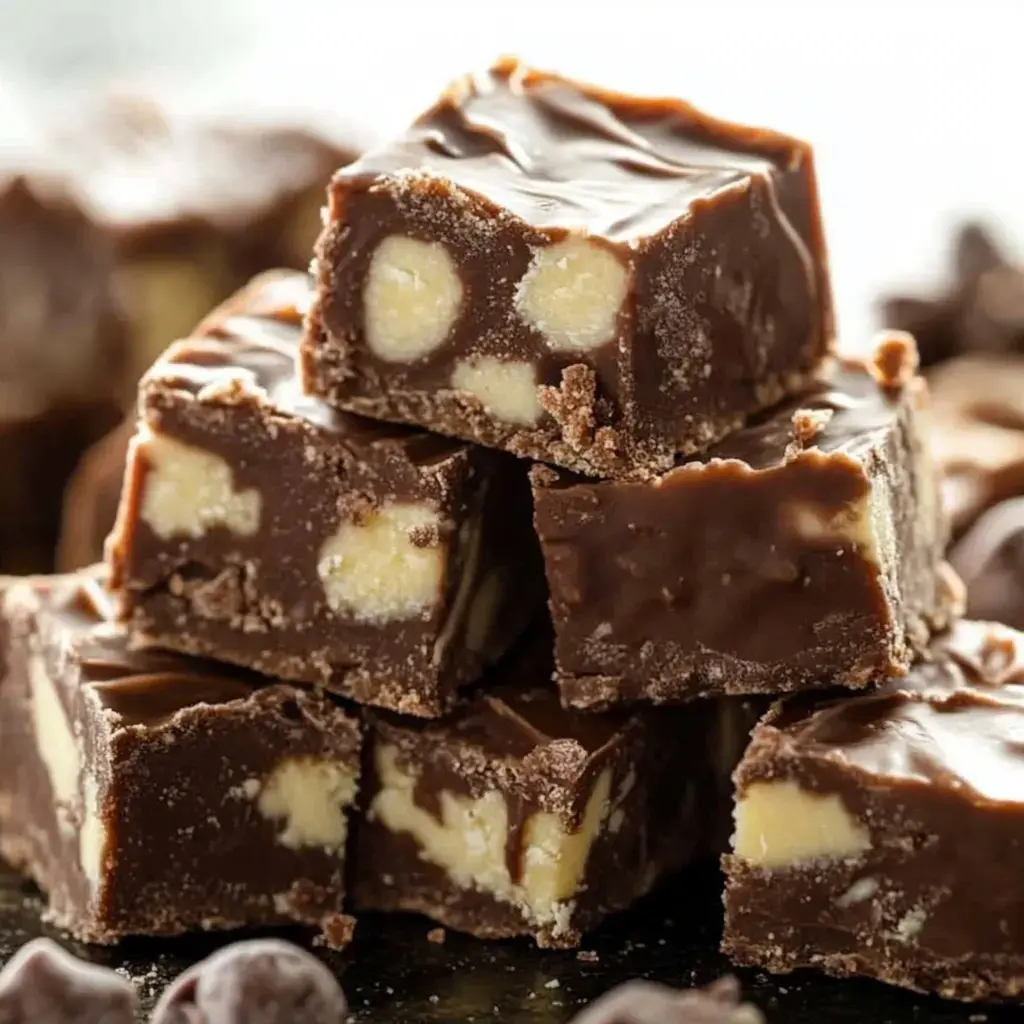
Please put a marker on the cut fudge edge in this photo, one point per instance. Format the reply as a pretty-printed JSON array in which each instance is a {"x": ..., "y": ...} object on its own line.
[
  {"x": 76, "y": 902},
  {"x": 780, "y": 949},
  {"x": 905, "y": 531},
  {"x": 368, "y": 683}
]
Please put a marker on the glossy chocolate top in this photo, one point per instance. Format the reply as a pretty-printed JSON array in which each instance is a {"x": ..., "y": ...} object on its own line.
[
  {"x": 246, "y": 350},
  {"x": 955, "y": 721},
  {"x": 139, "y": 686},
  {"x": 560, "y": 154}
]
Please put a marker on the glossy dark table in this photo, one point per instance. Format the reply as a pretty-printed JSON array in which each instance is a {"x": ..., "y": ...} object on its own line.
[{"x": 393, "y": 974}]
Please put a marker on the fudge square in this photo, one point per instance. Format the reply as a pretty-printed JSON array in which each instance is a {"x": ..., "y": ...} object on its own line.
[
  {"x": 581, "y": 277},
  {"x": 803, "y": 550},
  {"x": 150, "y": 793},
  {"x": 881, "y": 834},
  {"x": 263, "y": 528},
  {"x": 515, "y": 817}
]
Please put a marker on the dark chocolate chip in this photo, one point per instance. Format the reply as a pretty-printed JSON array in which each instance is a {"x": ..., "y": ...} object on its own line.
[
  {"x": 643, "y": 1002},
  {"x": 262, "y": 981},
  {"x": 43, "y": 984}
]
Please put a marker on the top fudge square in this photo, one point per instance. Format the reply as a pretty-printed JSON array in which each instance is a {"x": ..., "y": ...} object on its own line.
[{"x": 573, "y": 275}]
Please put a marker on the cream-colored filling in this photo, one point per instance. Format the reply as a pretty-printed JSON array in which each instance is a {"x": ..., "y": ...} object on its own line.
[{"x": 469, "y": 841}]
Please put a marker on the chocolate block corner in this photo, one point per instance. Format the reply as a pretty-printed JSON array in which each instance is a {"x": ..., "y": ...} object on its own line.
[
  {"x": 863, "y": 823},
  {"x": 265, "y": 528},
  {"x": 576, "y": 276}
]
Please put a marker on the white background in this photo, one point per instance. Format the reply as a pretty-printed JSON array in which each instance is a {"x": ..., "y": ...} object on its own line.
[{"x": 916, "y": 109}]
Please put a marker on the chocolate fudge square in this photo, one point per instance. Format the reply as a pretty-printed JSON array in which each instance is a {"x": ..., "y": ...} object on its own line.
[
  {"x": 515, "y": 817},
  {"x": 803, "y": 550},
  {"x": 880, "y": 834},
  {"x": 261, "y": 527},
  {"x": 149, "y": 793},
  {"x": 574, "y": 275}
]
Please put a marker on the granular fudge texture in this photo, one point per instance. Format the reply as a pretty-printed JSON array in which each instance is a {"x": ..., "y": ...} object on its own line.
[
  {"x": 571, "y": 274},
  {"x": 148, "y": 793},
  {"x": 264, "y": 528},
  {"x": 515, "y": 817},
  {"x": 880, "y": 834},
  {"x": 804, "y": 550}
]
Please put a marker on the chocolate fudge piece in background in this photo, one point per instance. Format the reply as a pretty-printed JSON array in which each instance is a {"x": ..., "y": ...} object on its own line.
[
  {"x": 264, "y": 528},
  {"x": 990, "y": 561},
  {"x": 574, "y": 275},
  {"x": 122, "y": 222},
  {"x": 801, "y": 551},
  {"x": 980, "y": 310},
  {"x": 976, "y": 428},
  {"x": 63, "y": 358},
  {"x": 515, "y": 817},
  {"x": 866, "y": 825},
  {"x": 193, "y": 204},
  {"x": 91, "y": 499},
  {"x": 147, "y": 793},
  {"x": 44, "y": 984}
]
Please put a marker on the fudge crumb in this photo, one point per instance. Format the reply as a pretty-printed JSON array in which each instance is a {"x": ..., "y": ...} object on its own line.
[
  {"x": 572, "y": 405},
  {"x": 553, "y": 983},
  {"x": 336, "y": 931},
  {"x": 807, "y": 425},
  {"x": 895, "y": 360},
  {"x": 587, "y": 956},
  {"x": 437, "y": 936}
]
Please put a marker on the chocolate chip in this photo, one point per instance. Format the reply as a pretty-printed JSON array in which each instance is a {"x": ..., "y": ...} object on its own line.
[
  {"x": 643, "y": 1002},
  {"x": 42, "y": 984},
  {"x": 262, "y": 981}
]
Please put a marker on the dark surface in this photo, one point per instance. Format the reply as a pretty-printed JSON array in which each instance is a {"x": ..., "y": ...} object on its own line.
[{"x": 392, "y": 973}]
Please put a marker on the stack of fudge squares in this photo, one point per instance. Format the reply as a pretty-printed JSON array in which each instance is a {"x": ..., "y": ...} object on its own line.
[{"x": 455, "y": 579}]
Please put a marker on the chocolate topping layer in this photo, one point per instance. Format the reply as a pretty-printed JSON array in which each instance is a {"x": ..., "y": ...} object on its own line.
[
  {"x": 99, "y": 748},
  {"x": 562, "y": 155}
]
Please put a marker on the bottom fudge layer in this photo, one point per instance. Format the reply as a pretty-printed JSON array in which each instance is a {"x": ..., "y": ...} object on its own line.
[
  {"x": 882, "y": 834},
  {"x": 148, "y": 793},
  {"x": 515, "y": 817}
]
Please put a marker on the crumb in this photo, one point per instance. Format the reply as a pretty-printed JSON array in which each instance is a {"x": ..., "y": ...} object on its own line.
[
  {"x": 336, "y": 931},
  {"x": 553, "y": 983},
  {"x": 434, "y": 999},
  {"x": 807, "y": 424},
  {"x": 437, "y": 936},
  {"x": 978, "y": 1018},
  {"x": 572, "y": 405},
  {"x": 895, "y": 360},
  {"x": 587, "y": 956}
]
